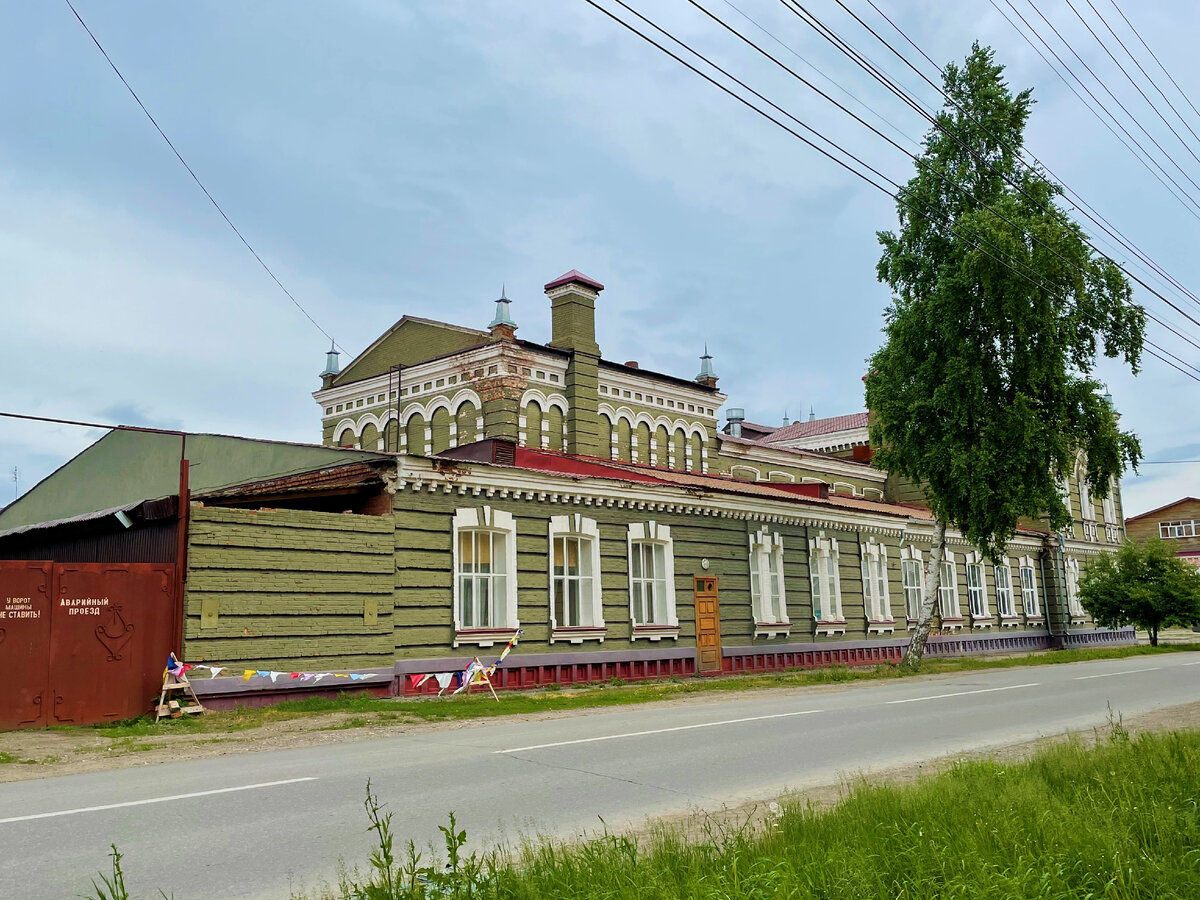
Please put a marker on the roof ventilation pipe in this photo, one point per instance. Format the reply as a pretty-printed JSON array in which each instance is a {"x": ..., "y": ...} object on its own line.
[{"x": 735, "y": 416}]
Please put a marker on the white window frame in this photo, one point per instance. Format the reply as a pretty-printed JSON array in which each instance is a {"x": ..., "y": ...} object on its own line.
[
  {"x": 587, "y": 532},
  {"x": 1108, "y": 506},
  {"x": 766, "y": 568},
  {"x": 910, "y": 560},
  {"x": 653, "y": 533},
  {"x": 486, "y": 520},
  {"x": 1071, "y": 565},
  {"x": 977, "y": 594},
  {"x": 948, "y": 603},
  {"x": 1030, "y": 602},
  {"x": 877, "y": 600},
  {"x": 823, "y": 564},
  {"x": 1177, "y": 528},
  {"x": 1087, "y": 511},
  {"x": 1005, "y": 602}
]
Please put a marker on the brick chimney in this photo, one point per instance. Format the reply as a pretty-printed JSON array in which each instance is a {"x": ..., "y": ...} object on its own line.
[{"x": 573, "y": 329}]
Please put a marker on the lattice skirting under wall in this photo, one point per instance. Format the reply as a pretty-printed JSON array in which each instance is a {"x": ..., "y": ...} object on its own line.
[{"x": 529, "y": 672}]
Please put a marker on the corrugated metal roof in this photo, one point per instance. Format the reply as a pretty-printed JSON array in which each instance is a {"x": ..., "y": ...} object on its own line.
[
  {"x": 332, "y": 477},
  {"x": 798, "y": 430}
]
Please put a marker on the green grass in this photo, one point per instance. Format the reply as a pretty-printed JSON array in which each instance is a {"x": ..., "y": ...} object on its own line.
[
  {"x": 9, "y": 758},
  {"x": 614, "y": 693},
  {"x": 1119, "y": 821}
]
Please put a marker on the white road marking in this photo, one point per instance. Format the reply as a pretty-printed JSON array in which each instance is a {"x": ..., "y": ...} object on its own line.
[
  {"x": 1011, "y": 687},
  {"x": 613, "y": 737},
  {"x": 1123, "y": 672},
  {"x": 1197, "y": 663},
  {"x": 86, "y": 809}
]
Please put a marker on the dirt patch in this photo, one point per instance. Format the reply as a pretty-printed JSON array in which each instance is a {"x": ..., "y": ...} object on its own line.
[{"x": 40, "y": 753}]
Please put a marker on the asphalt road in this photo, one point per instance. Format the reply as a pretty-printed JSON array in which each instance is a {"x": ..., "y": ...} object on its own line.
[{"x": 259, "y": 824}]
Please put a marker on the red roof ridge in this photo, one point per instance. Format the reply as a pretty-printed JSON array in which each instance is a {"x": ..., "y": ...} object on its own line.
[{"x": 574, "y": 276}]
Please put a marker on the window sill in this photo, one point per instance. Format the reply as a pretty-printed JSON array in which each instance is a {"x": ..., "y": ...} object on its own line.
[
  {"x": 953, "y": 624},
  {"x": 1035, "y": 620},
  {"x": 831, "y": 628},
  {"x": 484, "y": 637},
  {"x": 772, "y": 629},
  {"x": 886, "y": 626},
  {"x": 654, "y": 632},
  {"x": 578, "y": 634},
  {"x": 983, "y": 623}
]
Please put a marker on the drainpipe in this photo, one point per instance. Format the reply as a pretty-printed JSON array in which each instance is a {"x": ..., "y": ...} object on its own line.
[{"x": 1046, "y": 598}]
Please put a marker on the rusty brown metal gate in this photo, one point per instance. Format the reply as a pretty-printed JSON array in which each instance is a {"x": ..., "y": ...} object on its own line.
[{"x": 82, "y": 642}]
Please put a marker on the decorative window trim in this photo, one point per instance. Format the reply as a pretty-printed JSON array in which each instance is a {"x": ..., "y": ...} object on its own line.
[
  {"x": 822, "y": 548},
  {"x": 576, "y": 525},
  {"x": 910, "y": 554},
  {"x": 874, "y": 554},
  {"x": 654, "y": 533},
  {"x": 1009, "y": 619},
  {"x": 1026, "y": 562},
  {"x": 1077, "y": 612},
  {"x": 766, "y": 546},
  {"x": 484, "y": 518},
  {"x": 973, "y": 560},
  {"x": 1108, "y": 506},
  {"x": 954, "y": 622}
]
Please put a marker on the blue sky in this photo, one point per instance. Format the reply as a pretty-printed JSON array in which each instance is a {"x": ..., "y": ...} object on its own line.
[{"x": 406, "y": 157}]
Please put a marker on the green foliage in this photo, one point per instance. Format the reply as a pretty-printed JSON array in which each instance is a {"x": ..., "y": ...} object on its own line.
[
  {"x": 983, "y": 389},
  {"x": 1144, "y": 585},
  {"x": 112, "y": 887},
  {"x": 1118, "y": 821}
]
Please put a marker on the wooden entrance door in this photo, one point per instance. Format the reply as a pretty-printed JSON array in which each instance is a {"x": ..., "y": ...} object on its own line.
[{"x": 708, "y": 624}]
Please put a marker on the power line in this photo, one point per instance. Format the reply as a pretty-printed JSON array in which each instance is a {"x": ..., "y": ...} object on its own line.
[
  {"x": 1155, "y": 56},
  {"x": 1141, "y": 69},
  {"x": 812, "y": 21},
  {"x": 1130, "y": 78},
  {"x": 1145, "y": 262},
  {"x": 898, "y": 198},
  {"x": 196, "y": 178}
]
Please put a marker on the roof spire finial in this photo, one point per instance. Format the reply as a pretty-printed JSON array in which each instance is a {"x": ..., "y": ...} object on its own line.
[
  {"x": 707, "y": 376},
  {"x": 786, "y": 421},
  {"x": 503, "y": 317},
  {"x": 811, "y": 414}
]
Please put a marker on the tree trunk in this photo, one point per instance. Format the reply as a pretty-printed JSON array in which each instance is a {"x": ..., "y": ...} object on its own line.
[
  {"x": 1153, "y": 635},
  {"x": 933, "y": 579}
]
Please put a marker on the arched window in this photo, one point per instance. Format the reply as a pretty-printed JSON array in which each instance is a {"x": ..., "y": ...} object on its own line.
[
  {"x": 624, "y": 441},
  {"x": 346, "y": 438},
  {"x": 369, "y": 439},
  {"x": 555, "y": 428},
  {"x": 391, "y": 436},
  {"x": 826, "y": 580},
  {"x": 641, "y": 436},
  {"x": 439, "y": 426},
  {"x": 662, "y": 447},
  {"x": 414, "y": 435},
  {"x": 533, "y": 425},
  {"x": 696, "y": 445},
  {"x": 607, "y": 450},
  {"x": 679, "y": 449},
  {"x": 876, "y": 597},
  {"x": 466, "y": 424}
]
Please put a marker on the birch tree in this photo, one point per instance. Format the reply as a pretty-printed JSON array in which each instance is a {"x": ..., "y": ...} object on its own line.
[{"x": 983, "y": 391}]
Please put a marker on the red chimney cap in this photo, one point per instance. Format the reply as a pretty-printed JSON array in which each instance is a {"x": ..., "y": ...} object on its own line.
[{"x": 574, "y": 277}]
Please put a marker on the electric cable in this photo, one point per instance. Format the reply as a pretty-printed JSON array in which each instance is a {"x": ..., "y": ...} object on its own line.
[{"x": 196, "y": 178}]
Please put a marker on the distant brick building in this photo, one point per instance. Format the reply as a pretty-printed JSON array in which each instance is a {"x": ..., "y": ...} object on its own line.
[{"x": 1177, "y": 523}]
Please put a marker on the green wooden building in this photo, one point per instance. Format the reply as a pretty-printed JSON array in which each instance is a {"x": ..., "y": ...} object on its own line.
[{"x": 471, "y": 485}]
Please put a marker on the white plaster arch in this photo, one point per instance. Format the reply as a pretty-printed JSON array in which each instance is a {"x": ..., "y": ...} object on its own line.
[
  {"x": 618, "y": 413},
  {"x": 410, "y": 411},
  {"x": 545, "y": 401},
  {"x": 783, "y": 477},
  {"x": 466, "y": 395},
  {"x": 343, "y": 425},
  {"x": 733, "y": 471}
]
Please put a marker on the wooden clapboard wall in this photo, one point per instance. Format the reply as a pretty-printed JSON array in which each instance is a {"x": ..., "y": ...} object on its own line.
[{"x": 289, "y": 589}]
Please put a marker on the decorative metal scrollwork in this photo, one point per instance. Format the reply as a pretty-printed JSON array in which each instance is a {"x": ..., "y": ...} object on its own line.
[{"x": 114, "y": 634}]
